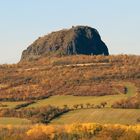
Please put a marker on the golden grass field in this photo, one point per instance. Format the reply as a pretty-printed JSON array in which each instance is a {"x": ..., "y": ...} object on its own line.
[
  {"x": 14, "y": 121},
  {"x": 103, "y": 116}
]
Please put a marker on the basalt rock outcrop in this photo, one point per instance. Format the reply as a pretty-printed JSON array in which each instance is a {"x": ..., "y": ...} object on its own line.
[{"x": 74, "y": 41}]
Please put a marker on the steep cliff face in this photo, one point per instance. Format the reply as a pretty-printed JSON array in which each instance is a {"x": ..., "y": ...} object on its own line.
[{"x": 77, "y": 40}]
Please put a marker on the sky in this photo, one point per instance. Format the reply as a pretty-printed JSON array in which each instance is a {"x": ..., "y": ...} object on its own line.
[{"x": 23, "y": 21}]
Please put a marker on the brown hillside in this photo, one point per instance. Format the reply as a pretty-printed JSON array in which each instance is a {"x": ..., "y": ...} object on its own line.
[{"x": 74, "y": 75}]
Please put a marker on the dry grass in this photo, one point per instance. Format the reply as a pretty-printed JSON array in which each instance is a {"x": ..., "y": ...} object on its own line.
[
  {"x": 14, "y": 121},
  {"x": 106, "y": 115}
]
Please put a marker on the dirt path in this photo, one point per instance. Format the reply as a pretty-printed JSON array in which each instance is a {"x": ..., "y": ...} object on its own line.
[{"x": 70, "y": 65}]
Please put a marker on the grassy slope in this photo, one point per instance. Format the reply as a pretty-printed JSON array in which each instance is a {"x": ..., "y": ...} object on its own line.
[
  {"x": 10, "y": 104},
  {"x": 72, "y": 100},
  {"x": 13, "y": 121},
  {"x": 131, "y": 89},
  {"x": 107, "y": 115}
]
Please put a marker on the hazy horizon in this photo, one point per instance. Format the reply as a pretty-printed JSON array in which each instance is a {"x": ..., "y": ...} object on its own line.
[{"x": 22, "y": 22}]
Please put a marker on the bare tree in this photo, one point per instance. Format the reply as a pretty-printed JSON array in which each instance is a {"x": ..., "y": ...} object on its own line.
[
  {"x": 81, "y": 106},
  {"x": 88, "y": 105},
  {"x": 103, "y": 104},
  {"x": 75, "y": 106}
]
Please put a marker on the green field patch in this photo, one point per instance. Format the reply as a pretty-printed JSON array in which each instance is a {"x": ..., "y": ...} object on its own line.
[
  {"x": 106, "y": 115},
  {"x": 72, "y": 100},
  {"x": 10, "y": 104},
  {"x": 131, "y": 89}
]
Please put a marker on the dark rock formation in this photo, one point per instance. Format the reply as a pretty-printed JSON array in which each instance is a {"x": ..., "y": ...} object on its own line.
[{"x": 77, "y": 40}]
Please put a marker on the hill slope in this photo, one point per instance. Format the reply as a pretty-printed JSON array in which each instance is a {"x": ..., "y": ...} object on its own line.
[
  {"x": 107, "y": 115},
  {"x": 71, "y": 75}
]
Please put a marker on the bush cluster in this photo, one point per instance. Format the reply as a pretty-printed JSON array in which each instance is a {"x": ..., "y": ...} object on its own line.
[
  {"x": 36, "y": 115},
  {"x": 130, "y": 103},
  {"x": 86, "y": 131}
]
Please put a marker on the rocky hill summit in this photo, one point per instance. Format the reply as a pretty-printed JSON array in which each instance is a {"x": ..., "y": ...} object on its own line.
[{"x": 77, "y": 40}]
